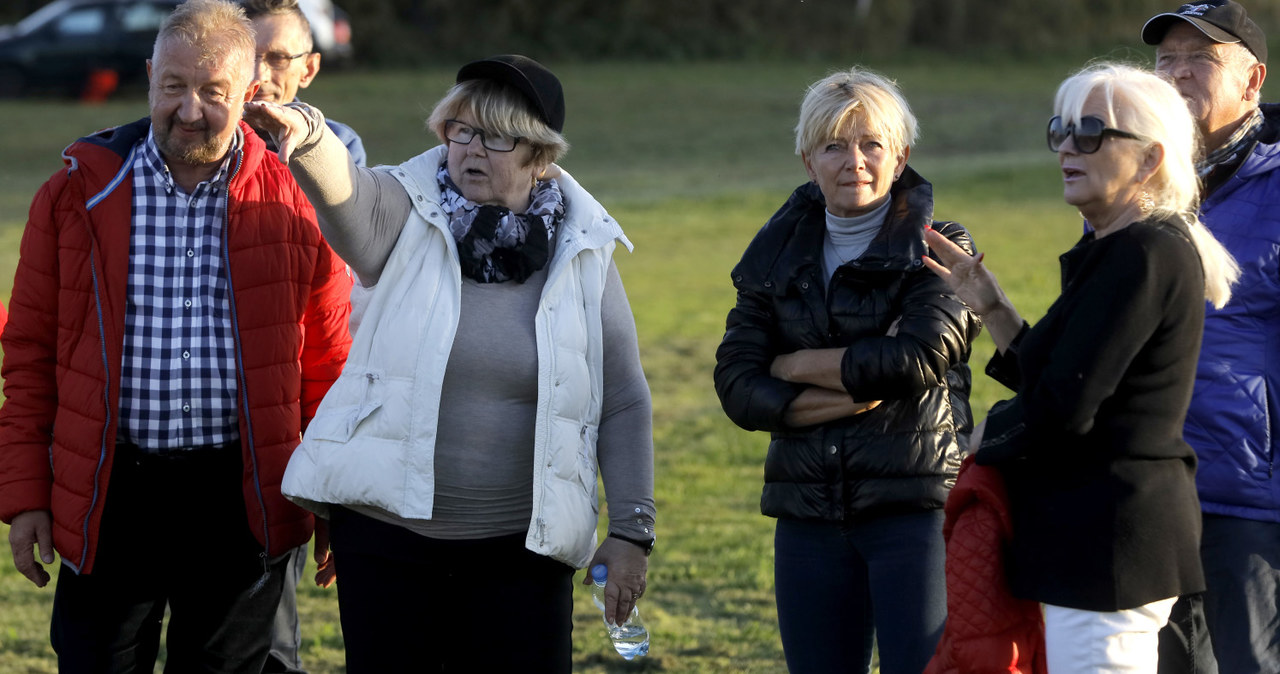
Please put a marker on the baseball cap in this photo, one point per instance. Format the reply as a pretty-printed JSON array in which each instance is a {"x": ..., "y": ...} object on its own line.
[
  {"x": 528, "y": 77},
  {"x": 1220, "y": 20}
]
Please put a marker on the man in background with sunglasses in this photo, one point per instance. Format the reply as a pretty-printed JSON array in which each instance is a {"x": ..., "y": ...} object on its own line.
[
  {"x": 287, "y": 62},
  {"x": 1216, "y": 57}
]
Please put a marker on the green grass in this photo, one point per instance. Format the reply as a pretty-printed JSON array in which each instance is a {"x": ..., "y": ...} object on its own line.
[{"x": 691, "y": 159}]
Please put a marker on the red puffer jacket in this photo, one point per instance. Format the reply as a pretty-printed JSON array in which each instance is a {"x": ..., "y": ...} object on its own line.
[
  {"x": 64, "y": 339},
  {"x": 988, "y": 629}
]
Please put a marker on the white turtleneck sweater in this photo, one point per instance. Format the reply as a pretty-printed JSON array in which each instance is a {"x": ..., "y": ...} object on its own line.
[{"x": 848, "y": 238}]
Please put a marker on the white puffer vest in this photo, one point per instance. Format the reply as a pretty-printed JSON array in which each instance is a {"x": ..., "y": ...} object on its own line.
[{"x": 372, "y": 441}]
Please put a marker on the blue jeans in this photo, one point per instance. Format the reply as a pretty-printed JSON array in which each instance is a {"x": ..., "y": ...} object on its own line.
[
  {"x": 841, "y": 587},
  {"x": 1242, "y": 570}
]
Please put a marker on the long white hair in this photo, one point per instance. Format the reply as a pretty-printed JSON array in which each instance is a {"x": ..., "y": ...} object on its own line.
[{"x": 1145, "y": 104}]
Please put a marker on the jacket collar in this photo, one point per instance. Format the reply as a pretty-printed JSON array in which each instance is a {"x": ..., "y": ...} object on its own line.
[
  {"x": 102, "y": 158},
  {"x": 791, "y": 242},
  {"x": 1265, "y": 155}
]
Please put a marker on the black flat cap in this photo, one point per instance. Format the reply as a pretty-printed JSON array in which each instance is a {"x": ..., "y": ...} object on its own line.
[{"x": 528, "y": 77}]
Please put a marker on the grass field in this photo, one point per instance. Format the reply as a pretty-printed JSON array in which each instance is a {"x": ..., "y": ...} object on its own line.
[{"x": 691, "y": 159}]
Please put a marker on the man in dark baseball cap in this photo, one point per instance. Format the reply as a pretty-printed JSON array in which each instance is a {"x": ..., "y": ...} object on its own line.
[
  {"x": 1223, "y": 21},
  {"x": 1216, "y": 56}
]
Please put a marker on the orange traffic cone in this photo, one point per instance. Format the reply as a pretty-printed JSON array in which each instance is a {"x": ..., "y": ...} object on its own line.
[{"x": 99, "y": 85}]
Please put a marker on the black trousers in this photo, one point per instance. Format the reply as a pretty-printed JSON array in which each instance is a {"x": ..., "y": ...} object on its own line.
[
  {"x": 1184, "y": 642},
  {"x": 174, "y": 533},
  {"x": 415, "y": 604}
]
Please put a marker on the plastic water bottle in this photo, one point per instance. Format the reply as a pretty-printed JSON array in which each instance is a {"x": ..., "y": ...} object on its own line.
[{"x": 630, "y": 638}]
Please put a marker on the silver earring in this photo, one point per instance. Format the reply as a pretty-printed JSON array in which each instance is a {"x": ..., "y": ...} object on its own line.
[{"x": 1146, "y": 203}]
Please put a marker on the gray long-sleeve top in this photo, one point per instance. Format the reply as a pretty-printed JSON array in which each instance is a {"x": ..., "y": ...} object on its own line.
[{"x": 484, "y": 448}]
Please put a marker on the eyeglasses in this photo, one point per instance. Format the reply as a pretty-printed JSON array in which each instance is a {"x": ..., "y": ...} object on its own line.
[
  {"x": 1088, "y": 133},
  {"x": 279, "y": 60},
  {"x": 462, "y": 134}
]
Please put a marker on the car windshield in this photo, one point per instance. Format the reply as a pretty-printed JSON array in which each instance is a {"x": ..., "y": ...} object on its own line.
[
  {"x": 145, "y": 17},
  {"x": 42, "y": 16}
]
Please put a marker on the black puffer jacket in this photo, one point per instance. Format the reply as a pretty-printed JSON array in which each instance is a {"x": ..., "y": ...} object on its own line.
[{"x": 902, "y": 456}]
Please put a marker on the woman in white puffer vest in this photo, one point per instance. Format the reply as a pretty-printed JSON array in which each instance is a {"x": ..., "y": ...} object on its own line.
[{"x": 494, "y": 367}]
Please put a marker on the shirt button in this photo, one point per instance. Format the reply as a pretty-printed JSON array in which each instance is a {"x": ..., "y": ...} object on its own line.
[
  {"x": 186, "y": 407},
  {"x": 187, "y": 304},
  {"x": 191, "y": 253},
  {"x": 833, "y": 449},
  {"x": 186, "y": 355}
]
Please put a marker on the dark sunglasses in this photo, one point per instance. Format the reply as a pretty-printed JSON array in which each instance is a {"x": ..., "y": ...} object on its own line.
[{"x": 1088, "y": 133}]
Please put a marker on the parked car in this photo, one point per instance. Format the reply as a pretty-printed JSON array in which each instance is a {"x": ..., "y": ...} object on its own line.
[
  {"x": 60, "y": 46},
  {"x": 330, "y": 31}
]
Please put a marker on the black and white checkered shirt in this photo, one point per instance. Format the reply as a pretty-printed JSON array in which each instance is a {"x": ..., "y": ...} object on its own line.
[{"x": 178, "y": 384}]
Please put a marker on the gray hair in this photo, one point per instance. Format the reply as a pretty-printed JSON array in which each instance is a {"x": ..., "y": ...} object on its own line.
[
  {"x": 259, "y": 8},
  {"x": 218, "y": 28}
]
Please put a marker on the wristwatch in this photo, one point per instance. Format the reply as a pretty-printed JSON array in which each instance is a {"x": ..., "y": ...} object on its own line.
[{"x": 646, "y": 545}]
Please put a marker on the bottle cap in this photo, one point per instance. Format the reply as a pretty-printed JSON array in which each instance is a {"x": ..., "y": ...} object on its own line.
[{"x": 600, "y": 573}]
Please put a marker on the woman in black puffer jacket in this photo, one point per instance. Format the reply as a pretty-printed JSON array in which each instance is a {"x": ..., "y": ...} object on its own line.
[{"x": 853, "y": 356}]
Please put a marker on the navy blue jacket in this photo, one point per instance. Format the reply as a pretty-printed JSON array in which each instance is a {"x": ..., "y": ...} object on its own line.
[{"x": 1234, "y": 420}]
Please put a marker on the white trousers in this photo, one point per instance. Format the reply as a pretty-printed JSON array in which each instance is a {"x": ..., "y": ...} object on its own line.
[{"x": 1096, "y": 642}]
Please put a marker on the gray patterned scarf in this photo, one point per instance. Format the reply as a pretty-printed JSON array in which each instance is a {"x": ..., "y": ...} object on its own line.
[
  {"x": 494, "y": 244},
  {"x": 1230, "y": 152}
]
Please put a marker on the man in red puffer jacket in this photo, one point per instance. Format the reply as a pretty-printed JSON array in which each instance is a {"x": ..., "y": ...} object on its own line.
[{"x": 176, "y": 318}]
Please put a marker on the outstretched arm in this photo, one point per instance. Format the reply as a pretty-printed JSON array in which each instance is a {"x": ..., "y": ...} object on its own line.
[{"x": 360, "y": 211}]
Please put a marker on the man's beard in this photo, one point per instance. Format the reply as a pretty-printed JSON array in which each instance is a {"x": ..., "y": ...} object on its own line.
[{"x": 205, "y": 151}]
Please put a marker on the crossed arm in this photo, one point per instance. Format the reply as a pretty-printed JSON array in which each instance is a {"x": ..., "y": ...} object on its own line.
[{"x": 825, "y": 399}]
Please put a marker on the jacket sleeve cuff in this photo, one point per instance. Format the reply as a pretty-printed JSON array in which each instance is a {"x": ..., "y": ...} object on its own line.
[
  {"x": 315, "y": 125},
  {"x": 1003, "y": 366},
  {"x": 24, "y": 496},
  {"x": 1004, "y": 435}
]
